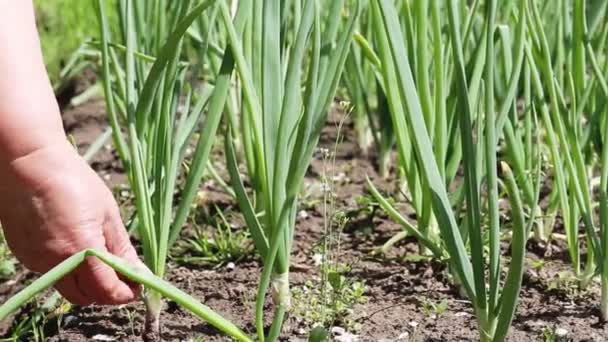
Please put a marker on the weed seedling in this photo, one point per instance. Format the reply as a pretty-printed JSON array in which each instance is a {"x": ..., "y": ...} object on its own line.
[
  {"x": 218, "y": 247},
  {"x": 434, "y": 309},
  {"x": 7, "y": 262},
  {"x": 329, "y": 299}
]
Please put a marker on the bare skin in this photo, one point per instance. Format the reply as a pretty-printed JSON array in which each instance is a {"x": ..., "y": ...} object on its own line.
[{"x": 52, "y": 204}]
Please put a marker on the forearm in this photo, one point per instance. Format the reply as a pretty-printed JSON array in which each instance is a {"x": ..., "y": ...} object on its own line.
[{"x": 29, "y": 114}]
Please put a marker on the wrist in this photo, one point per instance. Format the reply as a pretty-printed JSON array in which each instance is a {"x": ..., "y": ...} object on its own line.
[
  {"x": 33, "y": 169},
  {"x": 19, "y": 138}
]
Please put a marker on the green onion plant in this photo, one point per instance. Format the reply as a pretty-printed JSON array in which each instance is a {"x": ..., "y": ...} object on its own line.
[
  {"x": 427, "y": 46},
  {"x": 372, "y": 121},
  {"x": 289, "y": 58},
  {"x": 570, "y": 88},
  {"x": 472, "y": 245},
  {"x": 434, "y": 76}
]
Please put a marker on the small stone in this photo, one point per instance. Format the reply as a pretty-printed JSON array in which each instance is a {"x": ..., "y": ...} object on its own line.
[
  {"x": 102, "y": 337},
  {"x": 303, "y": 214},
  {"x": 338, "y": 331},
  {"x": 68, "y": 320},
  {"x": 404, "y": 336},
  {"x": 413, "y": 324},
  {"x": 341, "y": 335},
  {"x": 536, "y": 323},
  {"x": 230, "y": 266},
  {"x": 561, "y": 332},
  {"x": 347, "y": 337},
  {"x": 461, "y": 314},
  {"x": 339, "y": 177}
]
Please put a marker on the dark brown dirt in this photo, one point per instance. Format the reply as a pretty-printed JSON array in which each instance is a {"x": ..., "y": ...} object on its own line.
[
  {"x": 396, "y": 288},
  {"x": 85, "y": 124}
]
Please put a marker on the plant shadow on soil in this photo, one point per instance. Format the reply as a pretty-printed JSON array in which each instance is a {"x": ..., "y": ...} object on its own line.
[{"x": 396, "y": 288}]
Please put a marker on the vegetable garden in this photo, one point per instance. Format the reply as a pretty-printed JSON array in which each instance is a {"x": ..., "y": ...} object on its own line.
[{"x": 349, "y": 170}]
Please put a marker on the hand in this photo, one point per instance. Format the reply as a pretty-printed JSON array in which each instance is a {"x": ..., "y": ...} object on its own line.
[{"x": 53, "y": 205}]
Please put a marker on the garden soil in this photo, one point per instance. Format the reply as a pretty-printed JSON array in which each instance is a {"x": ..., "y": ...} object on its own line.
[{"x": 399, "y": 285}]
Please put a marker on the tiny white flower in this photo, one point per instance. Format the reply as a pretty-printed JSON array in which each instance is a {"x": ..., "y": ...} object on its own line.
[
  {"x": 325, "y": 187},
  {"x": 318, "y": 259}
]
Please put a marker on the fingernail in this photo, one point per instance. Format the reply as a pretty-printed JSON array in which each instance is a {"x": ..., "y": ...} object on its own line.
[{"x": 123, "y": 294}]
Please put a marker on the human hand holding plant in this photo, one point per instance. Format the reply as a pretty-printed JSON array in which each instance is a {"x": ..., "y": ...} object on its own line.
[{"x": 53, "y": 205}]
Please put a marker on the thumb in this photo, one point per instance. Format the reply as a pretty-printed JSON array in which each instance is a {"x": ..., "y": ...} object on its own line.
[
  {"x": 117, "y": 238},
  {"x": 119, "y": 244}
]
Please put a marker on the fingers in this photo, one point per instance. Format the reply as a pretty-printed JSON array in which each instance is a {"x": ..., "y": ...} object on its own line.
[
  {"x": 70, "y": 291},
  {"x": 119, "y": 244},
  {"x": 117, "y": 238},
  {"x": 94, "y": 281},
  {"x": 100, "y": 283}
]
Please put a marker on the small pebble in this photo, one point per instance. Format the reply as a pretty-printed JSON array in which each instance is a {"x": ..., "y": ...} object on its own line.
[
  {"x": 339, "y": 177},
  {"x": 536, "y": 323},
  {"x": 69, "y": 319},
  {"x": 347, "y": 337},
  {"x": 341, "y": 335},
  {"x": 231, "y": 266},
  {"x": 303, "y": 214},
  {"x": 102, "y": 337},
  {"x": 404, "y": 336},
  {"x": 337, "y": 331},
  {"x": 561, "y": 332}
]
